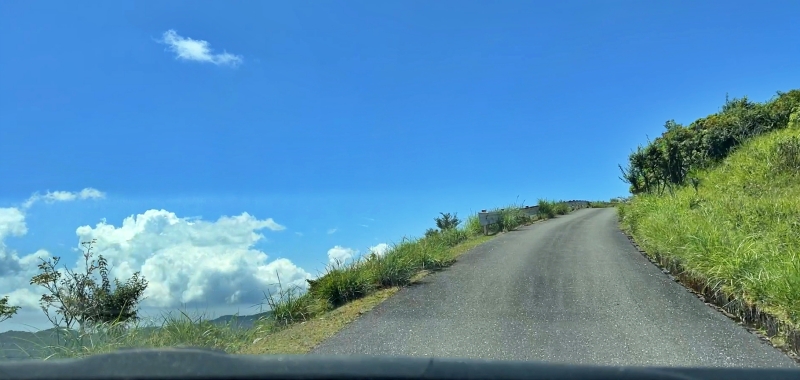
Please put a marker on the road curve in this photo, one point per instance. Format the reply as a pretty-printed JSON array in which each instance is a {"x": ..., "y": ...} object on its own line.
[{"x": 568, "y": 290}]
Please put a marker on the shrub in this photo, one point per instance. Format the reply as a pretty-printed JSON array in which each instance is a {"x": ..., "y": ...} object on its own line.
[
  {"x": 447, "y": 221},
  {"x": 78, "y": 298},
  {"x": 511, "y": 218},
  {"x": 546, "y": 209},
  {"x": 341, "y": 284},
  {"x": 786, "y": 155},
  {"x": 473, "y": 226},
  {"x": 289, "y": 306},
  {"x": 664, "y": 163},
  {"x": 431, "y": 232},
  {"x": 561, "y": 208},
  {"x": 453, "y": 237},
  {"x": 794, "y": 119},
  {"x": 425, "y": 254},
  {"x": 392, "y": 269}
]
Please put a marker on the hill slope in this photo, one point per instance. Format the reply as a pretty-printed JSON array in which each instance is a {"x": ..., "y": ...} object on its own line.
[{"x": 736, "y": 236}]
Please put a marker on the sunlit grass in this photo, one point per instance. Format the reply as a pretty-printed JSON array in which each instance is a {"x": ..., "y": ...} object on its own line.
[
  {"x": 173, "y": 330},
  {"x": 740, "y": 231}
]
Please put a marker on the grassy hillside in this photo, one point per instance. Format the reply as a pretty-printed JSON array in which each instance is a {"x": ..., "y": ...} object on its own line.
[
  {"x": 299, "y": 320},
  {"x": 733, "y": 231}
]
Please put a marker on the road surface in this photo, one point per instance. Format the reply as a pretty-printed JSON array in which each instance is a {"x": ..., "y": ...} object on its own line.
[{"x": 568, "y": 290}]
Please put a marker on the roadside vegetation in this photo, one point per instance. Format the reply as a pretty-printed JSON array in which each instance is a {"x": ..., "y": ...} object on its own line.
[
  {"x": 718, "y": 204},
  {"x": 91, "y": 316},
  {"x": 613, "y": 202}
]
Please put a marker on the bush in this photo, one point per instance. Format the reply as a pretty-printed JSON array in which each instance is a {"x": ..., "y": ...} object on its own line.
[
  {"x": 431, "y": 232},
  {"x": 447, "y": 221},
  {"x": 453, "y": 237},
  {"x": 511, "y": 218},
  {"x": 473, "y": 226},
  {"x": 665, "y": 163},
  {"x": 561, "y": 208},
  {"x": 546, "y": 209},
  {"x": 735, "y": 234},
  {"x": 425, "y": 254},
  {"x": 393, "y": 269},
  {"x": 794, "y": 119},
  {"x": 786, "y": 155},
  {"x": 602, "y": 204},
  {"x": 341, "y": 284},
  {"x": 78, "y": 298},
  {"x": 290, "y": 306}
]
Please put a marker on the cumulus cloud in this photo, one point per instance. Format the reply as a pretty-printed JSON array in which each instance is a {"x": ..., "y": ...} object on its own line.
[
  {"x": 186, "y": 261},
  {"x": 340, "y": 255},
  {"x": 64, "y": 196},
  {"x": 12, "y": 223},
  {"x": 379, "y": 249},
  {"x": 332, "y": 231},
  {"x": 16, "y": 271},
  {"x": 190, "y": 261},
  {"x": 197, "y": 50}
]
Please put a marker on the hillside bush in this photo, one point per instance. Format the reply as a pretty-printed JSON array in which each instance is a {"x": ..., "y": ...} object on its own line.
[{"x": 668, "y": 161}]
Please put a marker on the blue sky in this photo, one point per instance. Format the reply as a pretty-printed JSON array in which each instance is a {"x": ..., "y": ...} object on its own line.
[{"x": 213, "y": 144}]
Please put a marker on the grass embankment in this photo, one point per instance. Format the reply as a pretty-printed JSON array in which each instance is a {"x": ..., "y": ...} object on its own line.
[
  {"x": 301, "y": 320},
  {"x": 736, "y": 237}
]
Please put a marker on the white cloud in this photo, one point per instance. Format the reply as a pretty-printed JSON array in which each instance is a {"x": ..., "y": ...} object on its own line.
[
  {"x": 64, "y": 196},
  {"x": 364, "y": 225},
  {"x": 188, "y": 261},
  {"x": 197, "y": 50},
  {"x": 185, "y": 260},
  {"x": 379, "y": 249},
  {"x": 340, "y": 255},
  {"x": 332, "y": 231},
  {"x": 15, "y": 271},
  {"x": 12, "y": 222},
  {"x": 269, "y": 223}
]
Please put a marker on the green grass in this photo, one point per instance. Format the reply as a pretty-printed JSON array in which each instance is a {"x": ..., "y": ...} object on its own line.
[
  {"x": 174, "y": 330},
  {"x": 604, "y": 204},
  {"x": 300, "y": 320},
  {"x": 738, "y": 233}
]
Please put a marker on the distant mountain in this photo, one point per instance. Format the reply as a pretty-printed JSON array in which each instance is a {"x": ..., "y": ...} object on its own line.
[
  {"x": 241, "y": 321},
  {"x": 17, "y": 345}
]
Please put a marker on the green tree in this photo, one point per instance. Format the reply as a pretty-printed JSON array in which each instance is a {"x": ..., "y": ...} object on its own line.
[
  {"x": 6, "y": 311},
  {"x": 447, "y": 221},
  {"x": 78, "y": 298}
]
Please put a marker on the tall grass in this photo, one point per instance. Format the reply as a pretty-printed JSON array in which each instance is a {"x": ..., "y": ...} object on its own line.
[
  {"x": 174, "y": 330},
  {"x": 737, "y": 233},
  {"x": 473, "y": 226}
]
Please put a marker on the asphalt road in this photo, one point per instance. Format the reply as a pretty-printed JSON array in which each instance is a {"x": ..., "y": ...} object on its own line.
[{"x": 568, "y": 290}]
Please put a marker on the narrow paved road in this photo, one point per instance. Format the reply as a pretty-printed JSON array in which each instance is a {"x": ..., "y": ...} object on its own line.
[{"x": 568, "y": 290}]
